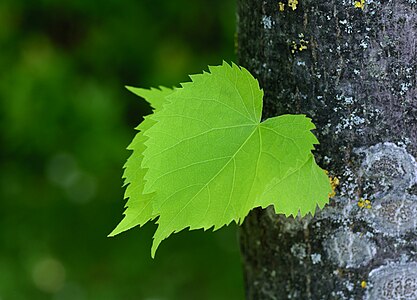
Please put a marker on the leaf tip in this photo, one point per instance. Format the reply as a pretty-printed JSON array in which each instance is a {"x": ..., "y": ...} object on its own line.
[
  {"x": 235, "y": 66},
  {"x": 113, "y": 233},
  {"x": 131, "y": 88},
  {"x": 116, "y": 230},
  {"x": 226, "y": 64},
  {"x": 155, "y": 245}
]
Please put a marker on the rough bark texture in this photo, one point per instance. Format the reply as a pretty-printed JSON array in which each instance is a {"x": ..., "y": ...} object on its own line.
[{"x": 351, "y": 67}]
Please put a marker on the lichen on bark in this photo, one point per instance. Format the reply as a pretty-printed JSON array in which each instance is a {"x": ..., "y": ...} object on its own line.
[{"x": 352, "y": 68}]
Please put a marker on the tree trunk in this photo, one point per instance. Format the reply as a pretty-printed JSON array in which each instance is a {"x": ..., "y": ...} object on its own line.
[{"x": 350, "y": 66}]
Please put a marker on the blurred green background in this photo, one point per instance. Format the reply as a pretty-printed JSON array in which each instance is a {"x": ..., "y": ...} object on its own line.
[{"x": 66, "y": 120}]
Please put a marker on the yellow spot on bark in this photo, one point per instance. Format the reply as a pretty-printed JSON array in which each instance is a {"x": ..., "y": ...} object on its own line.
[
  {"x": 334, "y": 182},
  {"x": 293, "y": 47},
  {"x": 303, "y": 45},
  {"x": 298, "y": 46},
  {"x": 363, "y": 284},
  {"x": 364, "y": 203},
  {"x": 281, "y": 6},
  {"x": 360, "y": 4},
  {"x": 293, "y": 4}
]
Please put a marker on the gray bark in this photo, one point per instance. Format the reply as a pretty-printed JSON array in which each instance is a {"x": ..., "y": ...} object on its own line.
[{"x": 353, "y": 71}]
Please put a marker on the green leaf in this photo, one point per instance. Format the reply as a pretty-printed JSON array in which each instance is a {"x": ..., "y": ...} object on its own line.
[
  {"x": 206, "y": 159},
  {"x": 138, "y": 207}
]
